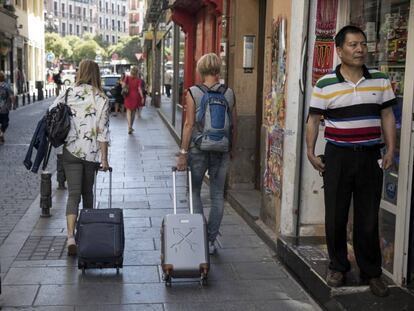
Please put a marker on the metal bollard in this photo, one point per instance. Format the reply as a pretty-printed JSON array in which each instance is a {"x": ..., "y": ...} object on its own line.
[
  {"x": 23, "y": 99},
  {"x": 45, "y": 194},
  {"x": 28, "y": 98},
  {"x": 50, "y": 93},
  {"x": 34, "y": 97}
]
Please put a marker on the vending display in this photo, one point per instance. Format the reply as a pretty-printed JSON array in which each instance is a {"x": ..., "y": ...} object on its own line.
[{"x": 385, "y": 23}]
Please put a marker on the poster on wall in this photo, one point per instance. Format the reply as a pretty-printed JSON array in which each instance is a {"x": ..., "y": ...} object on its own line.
[
  {"x": 324, "y": 48},
  {"x": 274, "y": 163},
  {"x": 275, "y": 106}
]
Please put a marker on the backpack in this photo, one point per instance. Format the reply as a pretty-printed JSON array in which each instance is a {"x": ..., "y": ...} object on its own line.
[
  {"x": 213, "y": 117},
  {"x": 5, "y": 99},
  {"x": 58, "y": 123}
]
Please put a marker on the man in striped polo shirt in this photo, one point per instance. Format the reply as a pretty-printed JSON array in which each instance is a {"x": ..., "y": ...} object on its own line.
[{"x": 356, "y": 105}]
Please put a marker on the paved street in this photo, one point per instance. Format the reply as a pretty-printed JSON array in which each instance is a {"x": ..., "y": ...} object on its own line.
[
  {"x": 19, "y": 187},
  {"x": 37, "y": 274}
]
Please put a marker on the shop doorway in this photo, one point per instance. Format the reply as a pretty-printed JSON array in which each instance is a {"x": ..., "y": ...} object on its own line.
[{"x": 260, "y": 81}]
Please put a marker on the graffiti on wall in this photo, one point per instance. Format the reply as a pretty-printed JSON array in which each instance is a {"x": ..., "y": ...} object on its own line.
[{"x": 275, "y": 107}]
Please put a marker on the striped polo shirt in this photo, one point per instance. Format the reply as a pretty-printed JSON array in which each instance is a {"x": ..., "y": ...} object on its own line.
[{"x": 352, "y": 112}]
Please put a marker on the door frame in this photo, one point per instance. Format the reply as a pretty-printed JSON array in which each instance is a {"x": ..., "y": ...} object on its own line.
[{"x": 402, "y": 231}]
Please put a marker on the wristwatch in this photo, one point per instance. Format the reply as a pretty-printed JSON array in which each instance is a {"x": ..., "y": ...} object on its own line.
[{"x": 183, "y": 151}]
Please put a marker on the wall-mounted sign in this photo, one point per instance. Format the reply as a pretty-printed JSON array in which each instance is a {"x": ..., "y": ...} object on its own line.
[{"x": 248, "y": 53}]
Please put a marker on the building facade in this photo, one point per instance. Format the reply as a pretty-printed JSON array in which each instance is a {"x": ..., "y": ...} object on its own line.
[
  {"x": 136, "y": 17},
  {"x": 113, "y": 20},
  {"x": 8, "y": 31},
  {"x": 23, "y": 62},
  {"x": 107, "y": 18},
  {"x": 274, "y": 52}
]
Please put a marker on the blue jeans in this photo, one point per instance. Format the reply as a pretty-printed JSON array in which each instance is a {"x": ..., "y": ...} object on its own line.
[{"x": 217, "y": 165}]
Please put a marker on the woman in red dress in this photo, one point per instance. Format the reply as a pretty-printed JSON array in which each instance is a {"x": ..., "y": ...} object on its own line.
[{"x": 133, "y": 100}]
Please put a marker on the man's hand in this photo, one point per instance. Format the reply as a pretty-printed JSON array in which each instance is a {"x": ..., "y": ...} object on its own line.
[
  {"x": 387, "y": 160},
  {"x": 316, "y": 163},
  {"x": 182, "y": 162}
]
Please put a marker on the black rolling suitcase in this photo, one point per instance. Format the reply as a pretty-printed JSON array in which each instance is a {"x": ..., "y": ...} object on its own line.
[
  {"x": 184, "y": 247},
  {"x": 100, "y": 236}
]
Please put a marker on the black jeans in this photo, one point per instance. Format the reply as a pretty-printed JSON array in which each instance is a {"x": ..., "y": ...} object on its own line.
[
  {"x": 4, "y": 121},
  {"x": 353, "y": 173}
]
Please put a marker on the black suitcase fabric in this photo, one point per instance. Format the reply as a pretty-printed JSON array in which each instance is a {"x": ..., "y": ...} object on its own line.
[{"x": 100, "y": 237}]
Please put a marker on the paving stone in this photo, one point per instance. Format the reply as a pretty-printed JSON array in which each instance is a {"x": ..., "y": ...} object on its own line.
[
  {"x": 267, "y": 305},
  {"x": 136, "y": 258},
  {"x": 16, "y": 296},
  {"x": 137, "y": 222},
  {"x": 136, "y": 307},
  {"x": 139, "y": 244}
]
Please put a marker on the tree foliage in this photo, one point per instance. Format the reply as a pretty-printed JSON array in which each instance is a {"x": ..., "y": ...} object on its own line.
[
  {"x": 74, "y": 49},
  {"x": 56, "y": 44},
  {"x": 87, "y": 49}
]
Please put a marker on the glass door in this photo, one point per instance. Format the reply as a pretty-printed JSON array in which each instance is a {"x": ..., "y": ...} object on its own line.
[{"x": 386, "y": 24}]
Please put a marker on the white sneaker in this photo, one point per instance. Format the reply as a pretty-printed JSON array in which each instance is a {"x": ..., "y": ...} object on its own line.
[{"x": 212, "y": 248}]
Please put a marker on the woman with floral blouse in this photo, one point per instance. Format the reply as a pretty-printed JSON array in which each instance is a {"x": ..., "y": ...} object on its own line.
[{"x": 86, "y": 147}]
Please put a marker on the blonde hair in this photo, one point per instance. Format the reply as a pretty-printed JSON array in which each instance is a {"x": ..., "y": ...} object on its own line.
[
  {"x": 88, "y": 73},
  {"x": 2, "y": 76},
  {"x": 209, "y": 65},
  {"x": 134, "y": 71}
]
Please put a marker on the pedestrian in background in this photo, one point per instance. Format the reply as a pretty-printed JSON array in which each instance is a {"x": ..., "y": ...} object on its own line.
[
  {"x": 86, "y": 147},
  {"x": 168, "y": 82},
  {"x": 57, "y": 79},
  {"x": 134, "y": 99},
  {"x": 356, "y": 105},
  {"x": 200, "y": 161},
  {"x": 6, "y": 102},
  {"x": 144, "y": 89},
  {"x": 117, "y": 92}
]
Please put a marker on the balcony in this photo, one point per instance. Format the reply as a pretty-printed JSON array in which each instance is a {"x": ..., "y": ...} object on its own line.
[{"x": 8, "y": 22}]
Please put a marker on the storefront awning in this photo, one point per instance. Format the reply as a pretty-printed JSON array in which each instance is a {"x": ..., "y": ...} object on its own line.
[
  {"x": 8, "y": 23},
  {"x": 149, "y": 35}
]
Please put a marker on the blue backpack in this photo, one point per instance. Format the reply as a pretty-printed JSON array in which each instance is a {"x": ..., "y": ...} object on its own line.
[{"x": 213, "y": 117}]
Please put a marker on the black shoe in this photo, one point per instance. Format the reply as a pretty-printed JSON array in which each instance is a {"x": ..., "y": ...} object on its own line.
[
  {"x": 335, "y": 278},
  {"x": 378, "y": 287},
  {"x": 61, "y": 186}
]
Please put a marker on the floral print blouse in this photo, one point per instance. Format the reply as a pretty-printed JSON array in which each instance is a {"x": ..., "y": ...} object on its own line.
[{"x": 90, "y": 121}]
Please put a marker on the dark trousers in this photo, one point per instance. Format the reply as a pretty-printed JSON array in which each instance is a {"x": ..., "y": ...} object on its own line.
[
  {"x": 168, "y": 89},
  {"x": 80, "y": 175},
  {"x": 4, "y": 121},
  {"x": 353, "y": 173}
]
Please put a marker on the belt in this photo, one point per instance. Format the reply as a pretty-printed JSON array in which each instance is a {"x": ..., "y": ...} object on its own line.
[{"x": 359, "y": 147}]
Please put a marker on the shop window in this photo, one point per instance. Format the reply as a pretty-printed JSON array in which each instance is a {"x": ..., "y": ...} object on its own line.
[{"x": 385, "y": 23}]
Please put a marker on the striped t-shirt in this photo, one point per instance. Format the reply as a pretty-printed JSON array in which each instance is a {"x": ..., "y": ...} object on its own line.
[{"x": 352, "y": 112}]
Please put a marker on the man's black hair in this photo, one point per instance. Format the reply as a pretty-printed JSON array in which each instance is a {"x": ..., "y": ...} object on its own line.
[{"x": 341, "y": 35}]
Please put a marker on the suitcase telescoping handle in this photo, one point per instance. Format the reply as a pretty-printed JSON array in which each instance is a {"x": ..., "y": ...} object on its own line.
[
  {"x": 110, "y": 187},
  {"x": 190, "y": 190}
]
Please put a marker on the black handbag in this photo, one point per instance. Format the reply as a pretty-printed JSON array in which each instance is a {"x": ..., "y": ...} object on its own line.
[{"x": 58, "y": 123}]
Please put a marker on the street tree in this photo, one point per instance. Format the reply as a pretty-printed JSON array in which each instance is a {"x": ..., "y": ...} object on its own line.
[
  {"x": 56, "y": 44},
  {"x": 126, "y": 48},
  {"x": 87, "y": 50}
]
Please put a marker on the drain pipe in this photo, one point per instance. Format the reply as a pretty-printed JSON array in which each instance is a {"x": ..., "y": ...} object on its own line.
[{"x": 302, "y": 85}]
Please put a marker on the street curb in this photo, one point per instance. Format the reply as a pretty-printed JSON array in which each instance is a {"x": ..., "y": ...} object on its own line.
[
  {"x": 21, "y": 231},
  {"x": 169, "y": 126}
]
